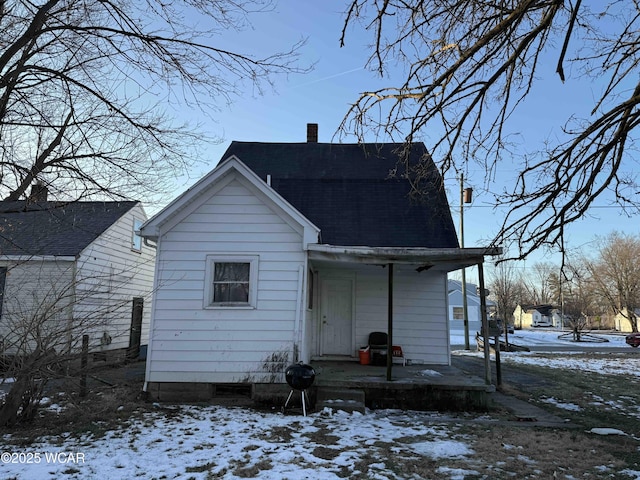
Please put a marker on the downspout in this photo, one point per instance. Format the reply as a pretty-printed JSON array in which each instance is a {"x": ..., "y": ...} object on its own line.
[
  {"x": 298, "y": 333},
  {"x": 156, "y": 279}
]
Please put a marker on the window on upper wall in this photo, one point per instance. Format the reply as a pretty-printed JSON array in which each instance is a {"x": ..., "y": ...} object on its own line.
[
  {"x": 231, "y": 281},
  {"x": 458, "y": 313},
  {"x": 136, "y": 239}
]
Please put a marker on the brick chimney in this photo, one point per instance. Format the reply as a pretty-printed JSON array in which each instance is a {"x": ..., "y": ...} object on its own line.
[
  {"x": 312, "y": 133},
  {"x": 39, "y": 192}
]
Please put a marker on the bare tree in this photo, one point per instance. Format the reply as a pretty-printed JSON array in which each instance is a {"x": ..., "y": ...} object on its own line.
[
  {"x": 45, "y": 316},
  {"x": 616, "y": 273},
  {"x": 506, "y": 291},
  {"x": 89, "y": 90},
  {"x": 573, "y": 291},
  {"x": 469, "y": 65},
  {"x": 536, "y": 281},
  {"x": 576, "y": 293}
]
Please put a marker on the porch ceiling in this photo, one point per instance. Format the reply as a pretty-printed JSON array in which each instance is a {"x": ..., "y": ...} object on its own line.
[{"x": 444, "y": 259}]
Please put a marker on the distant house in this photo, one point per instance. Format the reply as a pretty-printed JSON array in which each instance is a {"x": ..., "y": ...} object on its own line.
[
  {"x": 456, "y": 308},
  {"x": 69, "y": 269},
  {"x": 622, "y": 322},
  {"x": 526, "y": 316},
  {"x": 291, "y": 252}
]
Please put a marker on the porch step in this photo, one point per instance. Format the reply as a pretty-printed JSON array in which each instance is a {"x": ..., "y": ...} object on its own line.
[{"x": 345, "y": 399}]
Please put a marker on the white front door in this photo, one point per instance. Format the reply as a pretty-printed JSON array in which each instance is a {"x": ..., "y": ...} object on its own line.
[{"x": 336, "y": 312}]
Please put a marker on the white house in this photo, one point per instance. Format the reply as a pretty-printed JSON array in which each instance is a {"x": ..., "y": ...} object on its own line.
[
  {"x": 292, "y": 252},
  {"x": 456, "y": 308},
  {"x": 526, "y": 316},
  {"x": 74, "y": 269},
  {"x": 622, "y": 323}
]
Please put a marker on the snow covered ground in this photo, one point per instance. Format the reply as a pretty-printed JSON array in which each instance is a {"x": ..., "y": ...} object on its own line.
[
  {"x": 215, "y": 442},
  {"x": 201, "y": 443},
  {"x": 599, "y": 363},
  {"x": 545, "y": 337},
  {"x": 204, "y": 442}
]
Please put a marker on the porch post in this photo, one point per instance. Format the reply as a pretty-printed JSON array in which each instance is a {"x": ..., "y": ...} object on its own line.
[
  {"x": 485, "y": 325},
  {"x": 390, "y": 324}
]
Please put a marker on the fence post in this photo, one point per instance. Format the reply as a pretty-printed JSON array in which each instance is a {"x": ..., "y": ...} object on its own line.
[{"x": 83, "y": 365}]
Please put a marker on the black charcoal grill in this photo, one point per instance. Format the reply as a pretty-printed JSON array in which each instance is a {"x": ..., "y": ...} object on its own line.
[{"x": 299, "y": 376}]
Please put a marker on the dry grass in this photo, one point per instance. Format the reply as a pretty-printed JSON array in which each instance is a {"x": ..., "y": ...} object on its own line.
[
  {"x": 104, "y": 408},
  {"x": 507, "y": 452},
  {"x": 600, "y": 400},
  {"x": 500, "y": 449}
]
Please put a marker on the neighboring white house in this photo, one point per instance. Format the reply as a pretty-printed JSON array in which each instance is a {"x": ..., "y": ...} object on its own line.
[
  {"x": 622, "y": 323},
  {"x": 290, "y": 252},
  {"x": 526, "y": 316},
  {"x": 69, "y": 269},
  {"x": 456, "y": 309}
]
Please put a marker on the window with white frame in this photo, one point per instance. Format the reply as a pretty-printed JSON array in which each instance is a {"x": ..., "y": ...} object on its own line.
[
  {"x": 458, "y": 313},
  {"x": 136, "y": 239},
  {"x": 231, "y": 281}
]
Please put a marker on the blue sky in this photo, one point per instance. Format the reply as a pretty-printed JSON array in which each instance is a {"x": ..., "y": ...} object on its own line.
[{"x": 324, "y": 95}]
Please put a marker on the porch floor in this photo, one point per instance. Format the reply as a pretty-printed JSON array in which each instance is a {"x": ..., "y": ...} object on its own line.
[
  {"x": 352, "y": 373},
  {"x": 419, "y": 387}
]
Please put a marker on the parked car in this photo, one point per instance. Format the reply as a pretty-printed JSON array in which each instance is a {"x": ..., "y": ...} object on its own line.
[
  {"x": 633, "y": 339},
  {"x": 500, "y": 323}
]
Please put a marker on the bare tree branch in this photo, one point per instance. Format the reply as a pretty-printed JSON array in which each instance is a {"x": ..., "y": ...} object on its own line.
[
  {"x": 89, "y": 91},
  {"x": 615, "y": 272},
  {"x": 470, "y": 64}
]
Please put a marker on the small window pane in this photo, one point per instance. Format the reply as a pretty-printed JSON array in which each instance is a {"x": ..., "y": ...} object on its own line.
[
  {"x": 231, "y": 272},
  {"x": 220, "y": 292},
  {"x": 226, "y": 292},
  {"x": 458, "y": 313},
  {"x": 239, "y": 292},
  {"x": 231, "y": 282}
]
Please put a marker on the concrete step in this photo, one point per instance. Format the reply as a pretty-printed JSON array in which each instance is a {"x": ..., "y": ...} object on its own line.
[
  {"x": 526, "y": 412},
  {"x": 345, "y": 399}
]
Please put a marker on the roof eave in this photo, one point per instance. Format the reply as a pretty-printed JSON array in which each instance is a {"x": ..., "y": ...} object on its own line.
[
  {"x": 446, "y": 258},
  {"x": 153, "y": 228},
  {"x": 38, "y": 258}
]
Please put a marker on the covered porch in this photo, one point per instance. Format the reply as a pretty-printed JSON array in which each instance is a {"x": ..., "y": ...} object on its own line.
[
  {"x": 417, "y": 321},
  {"x": 413, "y": 387}
]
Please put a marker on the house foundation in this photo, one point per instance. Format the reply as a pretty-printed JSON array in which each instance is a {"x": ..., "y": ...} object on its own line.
[{"x": 415, "y": 387}]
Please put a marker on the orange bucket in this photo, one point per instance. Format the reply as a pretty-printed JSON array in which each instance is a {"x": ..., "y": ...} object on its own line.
[{"x": 365, "y": 356}]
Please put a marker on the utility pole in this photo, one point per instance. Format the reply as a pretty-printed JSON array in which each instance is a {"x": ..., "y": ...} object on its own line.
[
  {"x": 465, "y": 197},
  {"x": 561, "y": 301}
]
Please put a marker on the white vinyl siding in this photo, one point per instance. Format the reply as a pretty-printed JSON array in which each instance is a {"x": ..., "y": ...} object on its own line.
[
  {"x": 456, "y": 321},
  {"x": 419, "y": 307},
  {"x": 109, "y": 275},
  {"x": 92, "y": 295},
  {"x": 32, "y": 289},
  {"x": 191, "y": 343}
]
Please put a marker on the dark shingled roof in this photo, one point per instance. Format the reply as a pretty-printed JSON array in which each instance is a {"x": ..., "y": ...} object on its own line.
[
  {"x": 55, "y": 228},
  {"x": 545, "y": 309},
  {"x": 347, "y": 191}
]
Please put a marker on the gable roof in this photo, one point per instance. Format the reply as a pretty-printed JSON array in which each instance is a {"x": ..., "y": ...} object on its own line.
[
  {"x": 347, "y": 191},
  {"x": 55, "y": 228},
  {"x": 226, "y": 171},
  {"x": 456, "y": 285},
  {"x": 544, "y": 309}
]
